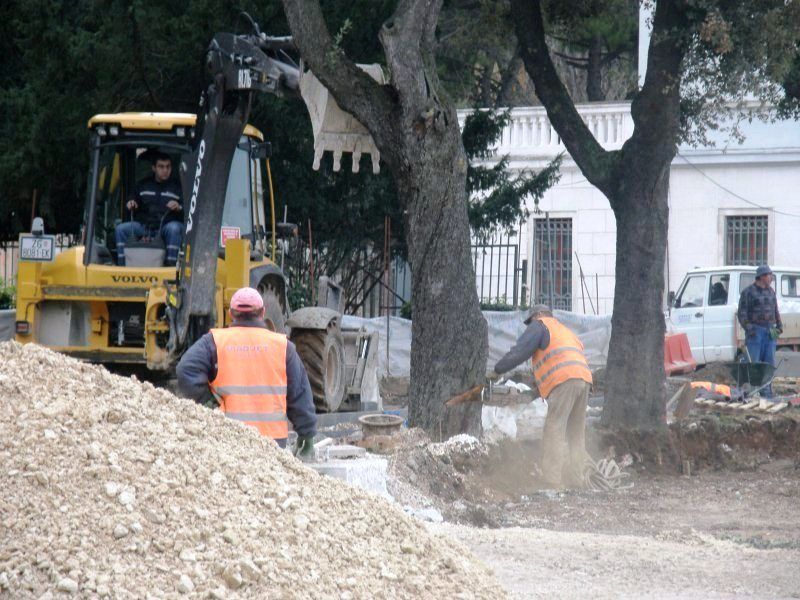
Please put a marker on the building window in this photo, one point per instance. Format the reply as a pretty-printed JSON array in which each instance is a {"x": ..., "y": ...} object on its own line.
[
  {"x": 746, "y": 240},
  {"x": 552, "y": 259}
]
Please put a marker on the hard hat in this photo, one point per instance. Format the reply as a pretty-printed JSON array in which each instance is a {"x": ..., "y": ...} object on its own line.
[
  {"x": 246, "y": 299},
  {"x": 763, "y": 270},
  {"x": 537, "y": 309}
]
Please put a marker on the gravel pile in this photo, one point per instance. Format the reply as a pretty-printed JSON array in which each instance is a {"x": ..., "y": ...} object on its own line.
[{"x": 113, "y": 488}]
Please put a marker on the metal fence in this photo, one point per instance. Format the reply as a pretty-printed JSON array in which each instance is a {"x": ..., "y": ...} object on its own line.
[
  {"x": 499, "y": 272},
  {"x": 9, "y": 256}
]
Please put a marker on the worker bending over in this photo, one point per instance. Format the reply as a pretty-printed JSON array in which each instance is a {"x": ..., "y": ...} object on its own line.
[
  {"x": 563, "y": 378},
  {"x": 255, "y": 375}
]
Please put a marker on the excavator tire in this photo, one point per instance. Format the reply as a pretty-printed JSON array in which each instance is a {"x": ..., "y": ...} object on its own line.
[
  {"x": 273, "y": 309},
  {"x": 322, "y": 353}
]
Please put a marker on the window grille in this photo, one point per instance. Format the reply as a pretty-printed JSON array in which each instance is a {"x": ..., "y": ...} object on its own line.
[
  {"x": 746, "y": 240},
  {"x": 552, "y": 256}
]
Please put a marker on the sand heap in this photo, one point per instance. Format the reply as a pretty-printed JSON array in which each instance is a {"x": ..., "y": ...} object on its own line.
[{"x": 113, "y": 488}]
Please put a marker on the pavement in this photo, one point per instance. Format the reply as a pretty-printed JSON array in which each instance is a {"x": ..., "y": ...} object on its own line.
[{"x": 790, "y": 367}]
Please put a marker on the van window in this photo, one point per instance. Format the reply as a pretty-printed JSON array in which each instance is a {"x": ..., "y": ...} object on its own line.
[
  {"x": 692, "y": 293},
  {"x": 718, "y": 290},
  {"x": 746, "y": 280},
  {"x": 789, "y": 286}
]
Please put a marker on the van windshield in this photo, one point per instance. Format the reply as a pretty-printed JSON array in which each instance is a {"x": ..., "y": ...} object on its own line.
[{"x": 790, "y": 286}]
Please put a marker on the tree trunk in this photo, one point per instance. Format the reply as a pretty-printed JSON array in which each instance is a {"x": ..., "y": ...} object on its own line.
[
  {"x": 635, "y": 179},
  {"x": 415, "y": 127},
  {"x": 635, "y": 394},
  {"x": 449, "y": 334},
  {"x": 594, "y": 71}
]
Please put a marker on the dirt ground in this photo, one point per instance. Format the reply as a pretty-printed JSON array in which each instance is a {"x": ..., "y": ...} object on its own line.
[{"x": 730, "y": 529}]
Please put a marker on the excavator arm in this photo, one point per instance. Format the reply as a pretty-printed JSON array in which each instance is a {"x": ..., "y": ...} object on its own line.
[{"x": 239, "y": 66}]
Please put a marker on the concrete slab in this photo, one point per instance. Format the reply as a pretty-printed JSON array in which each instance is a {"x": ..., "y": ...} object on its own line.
[
  {"x": 343, "y": 451},
  {"x": 368, "y": 473}
]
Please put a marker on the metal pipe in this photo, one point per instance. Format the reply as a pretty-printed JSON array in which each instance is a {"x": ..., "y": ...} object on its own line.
[
  {"x": 550, "y": 270},
  {"x": 387, "y": 235},
  {"x": 272, "y": 210},
  {"x": 90, "y": 216}
]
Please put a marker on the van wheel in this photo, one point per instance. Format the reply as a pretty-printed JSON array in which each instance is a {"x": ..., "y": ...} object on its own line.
[{"x": 322, "y": 353}]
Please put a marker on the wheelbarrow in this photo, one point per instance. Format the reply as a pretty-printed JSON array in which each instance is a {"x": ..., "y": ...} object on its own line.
[{"x": 752, "y": 377}]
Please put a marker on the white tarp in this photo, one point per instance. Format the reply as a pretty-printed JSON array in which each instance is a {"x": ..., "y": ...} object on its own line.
[{"x": 504, "y": 329}]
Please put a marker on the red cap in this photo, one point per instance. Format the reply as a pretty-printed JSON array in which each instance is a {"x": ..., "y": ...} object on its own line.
[{"x": 247, "y": 299}]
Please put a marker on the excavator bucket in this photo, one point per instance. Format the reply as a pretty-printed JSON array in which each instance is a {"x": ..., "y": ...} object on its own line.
[{"x": 334, "y": 129}]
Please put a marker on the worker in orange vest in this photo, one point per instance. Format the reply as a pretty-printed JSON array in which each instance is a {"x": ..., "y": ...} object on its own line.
[
  {"x": 564, "y": 379},
  {"x": 253, "y": 374}
]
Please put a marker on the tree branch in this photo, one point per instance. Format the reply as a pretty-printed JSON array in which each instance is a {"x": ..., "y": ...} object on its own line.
[
  {"x": 595, "y": 163},
  {"x": 410, "y": 29},
  {"x": 354, "y": 90},
  {"x": 660, "y": 94}
]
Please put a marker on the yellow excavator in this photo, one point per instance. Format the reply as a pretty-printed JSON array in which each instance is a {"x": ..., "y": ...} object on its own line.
[{"x": 83, "y": 303}]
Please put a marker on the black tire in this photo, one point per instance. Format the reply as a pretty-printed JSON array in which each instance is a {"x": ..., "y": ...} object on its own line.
[
  {"x": 274, "y": 315},
  {"x": 322, "y": 353}
]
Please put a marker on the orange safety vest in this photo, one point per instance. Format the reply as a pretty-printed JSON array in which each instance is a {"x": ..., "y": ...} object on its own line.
[
  {"x": 714, "y": 388},
  {"x": 563, "y": 359},
  {"x": 250, "y": 385}
]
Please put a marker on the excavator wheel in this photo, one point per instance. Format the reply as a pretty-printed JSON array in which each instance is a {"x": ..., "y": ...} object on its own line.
[
  {"x": 273, "y": 309},
  {"x": 322, "y": 353}
]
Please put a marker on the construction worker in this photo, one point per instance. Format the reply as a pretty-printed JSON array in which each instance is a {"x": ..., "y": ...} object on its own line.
[
  {"x": 253, "y": 374},
  {"x": 563, "y": 378},
  {"x": 156, "y": 210},
  {"x": 759, "y": 317}
]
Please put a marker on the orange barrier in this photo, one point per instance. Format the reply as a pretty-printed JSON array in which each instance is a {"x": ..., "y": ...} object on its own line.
[{"x": 678, "y": 357}]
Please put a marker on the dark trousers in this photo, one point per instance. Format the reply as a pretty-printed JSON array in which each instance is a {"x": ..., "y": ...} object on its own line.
[
  {"x": 171, "y": 233},
  {"x": 762, "y": 349}
]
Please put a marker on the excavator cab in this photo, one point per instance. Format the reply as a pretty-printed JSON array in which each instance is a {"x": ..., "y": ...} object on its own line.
[{"x": 124, "y": 147}]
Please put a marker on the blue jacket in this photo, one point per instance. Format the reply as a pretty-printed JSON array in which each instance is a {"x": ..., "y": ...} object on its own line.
[
  {"x": 198, "y": 366},
  {"x": 535, "y": 337},
  {"x": 152, "y": 197}
]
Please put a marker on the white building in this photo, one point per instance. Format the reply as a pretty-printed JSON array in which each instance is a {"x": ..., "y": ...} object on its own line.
[{"x": 729, "y": 204}]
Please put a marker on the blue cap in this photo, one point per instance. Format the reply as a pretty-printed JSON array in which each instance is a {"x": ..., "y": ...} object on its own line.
[{"x": 763, "y": 270}]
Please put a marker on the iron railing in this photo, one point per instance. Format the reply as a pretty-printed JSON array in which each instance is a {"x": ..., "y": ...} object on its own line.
[{"x": 499, "y": 273}]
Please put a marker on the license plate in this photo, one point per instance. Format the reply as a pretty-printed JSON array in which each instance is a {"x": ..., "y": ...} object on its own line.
[{"x": 37, "y": 248}]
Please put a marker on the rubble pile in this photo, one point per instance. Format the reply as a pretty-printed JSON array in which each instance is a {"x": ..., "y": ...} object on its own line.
[{"x": 114, "y": 488}]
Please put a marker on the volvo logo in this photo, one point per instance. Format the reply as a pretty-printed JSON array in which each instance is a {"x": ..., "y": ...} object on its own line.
[
  {"x": 134, "y": 279},
  {"x": 201, "y": 152}
]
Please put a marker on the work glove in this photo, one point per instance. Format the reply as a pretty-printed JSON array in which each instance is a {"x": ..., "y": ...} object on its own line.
[
  {"x": 304, "y": 448},
  {"x": 775, "y": 332}
]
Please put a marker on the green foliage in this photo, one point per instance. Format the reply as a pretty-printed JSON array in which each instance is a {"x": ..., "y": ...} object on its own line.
[
  {"x": 737, "y": 51},
  {"x": 598, "y": 37},
  {"x": 8, "y": 294},
  {"x": 578, "y": 22},
  {"x": 405, "y": 311},
  {"x": 497, "y": 196},
  {"x": 299, "y": 296},
  {"x": 500, "y": 304}
]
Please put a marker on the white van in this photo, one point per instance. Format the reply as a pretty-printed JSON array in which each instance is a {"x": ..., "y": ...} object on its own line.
[{"x": 705, "y": 306}]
